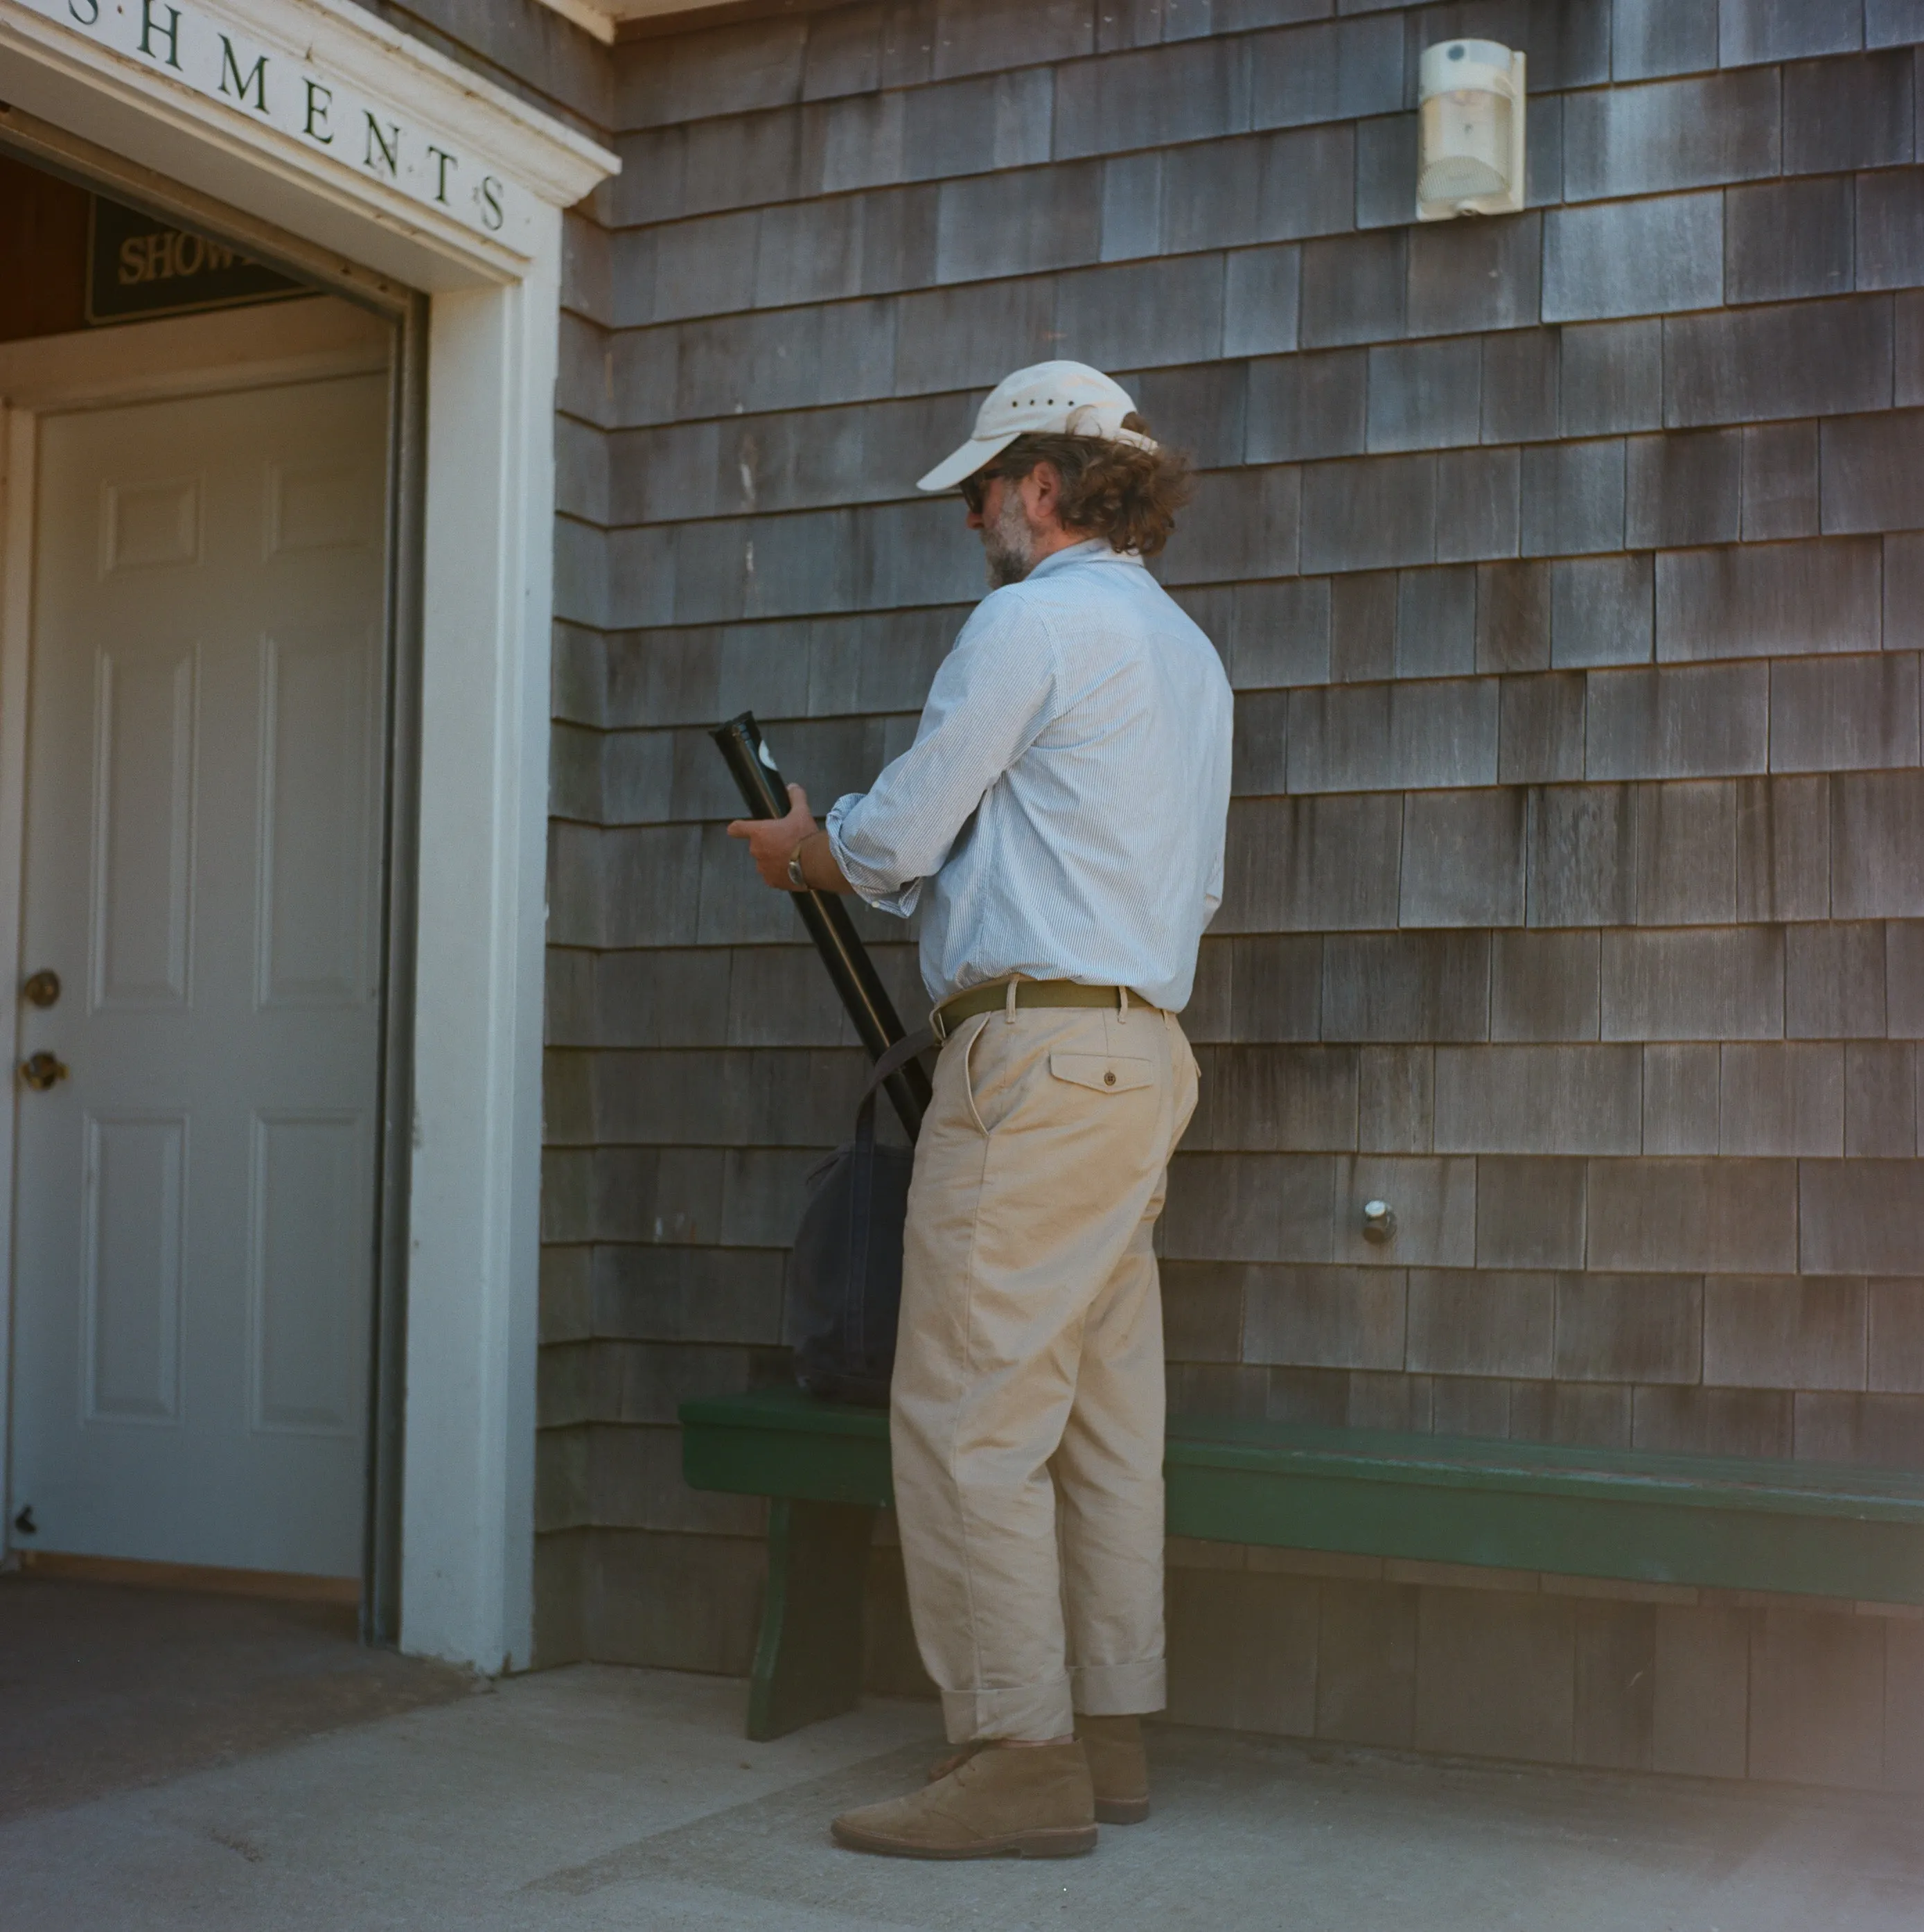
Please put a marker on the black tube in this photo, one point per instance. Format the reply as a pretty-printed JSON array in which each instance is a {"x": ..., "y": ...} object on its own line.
[{"x": 876, "y": 1022}]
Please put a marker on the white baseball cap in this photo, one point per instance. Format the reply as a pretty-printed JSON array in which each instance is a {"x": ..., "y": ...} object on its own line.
[{"x": 1047, "y": 399}]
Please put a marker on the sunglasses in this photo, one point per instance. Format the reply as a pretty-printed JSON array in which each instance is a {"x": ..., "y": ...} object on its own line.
[{"x": 975, "y": 489}]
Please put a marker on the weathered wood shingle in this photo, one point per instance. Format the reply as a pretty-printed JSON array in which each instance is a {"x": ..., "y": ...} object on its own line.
[{"x": 1569, "y": 568}]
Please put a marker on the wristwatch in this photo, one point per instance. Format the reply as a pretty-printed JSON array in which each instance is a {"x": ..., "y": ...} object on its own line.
[{"x": 794, "y": 878}]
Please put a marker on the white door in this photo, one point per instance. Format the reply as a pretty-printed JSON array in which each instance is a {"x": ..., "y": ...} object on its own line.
[{"x": 195, "y": 1199}]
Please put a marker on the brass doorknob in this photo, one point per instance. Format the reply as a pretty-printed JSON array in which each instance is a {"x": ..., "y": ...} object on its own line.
[
  {"x": 42, "y": 1072},
  {"x": 42, "y": 989}
]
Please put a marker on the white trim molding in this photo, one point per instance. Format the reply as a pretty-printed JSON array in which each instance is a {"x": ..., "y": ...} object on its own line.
[
  {"x": 231, "y": 124},
  {"x": 468, "y": 1506},
  {"x": 603, "y": 18},
  {"x": 317, "y": 108},
  {"x": 17, "y": 553},
  {"x": 587, "y": 16},
  {"x": 194, "y": 355}
]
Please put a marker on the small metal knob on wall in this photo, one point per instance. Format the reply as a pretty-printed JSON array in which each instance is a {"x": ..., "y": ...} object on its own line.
[
  {"x": 42, "y": 1072},
  {"x": 1379, "y": 1221}
]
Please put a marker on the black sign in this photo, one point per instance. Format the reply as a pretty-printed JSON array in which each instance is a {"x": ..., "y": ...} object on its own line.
[{"x": 138, "y": 267}]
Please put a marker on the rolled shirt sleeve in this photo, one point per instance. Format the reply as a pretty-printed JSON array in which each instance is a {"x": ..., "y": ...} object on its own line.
[
  {"x": 995, "y": 691},
  {"x": 901, "y": 903}
]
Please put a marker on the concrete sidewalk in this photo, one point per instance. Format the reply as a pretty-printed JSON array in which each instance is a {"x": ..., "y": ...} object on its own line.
[
  {"x": 596, "y": 1797},
  {"x": 103, "y": 1688}
]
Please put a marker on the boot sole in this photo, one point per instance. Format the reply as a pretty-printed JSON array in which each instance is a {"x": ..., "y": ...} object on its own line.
[{"x": 1066, "y": 1841}]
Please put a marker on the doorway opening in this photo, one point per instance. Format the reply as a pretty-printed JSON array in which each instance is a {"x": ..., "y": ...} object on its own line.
[{"x": 198, "y": 734}]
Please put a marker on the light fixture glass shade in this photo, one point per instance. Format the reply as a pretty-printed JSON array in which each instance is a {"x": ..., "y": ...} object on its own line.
[
  {"x": 1468, "y": 133},
  {"x": 1469, "y": 130}
]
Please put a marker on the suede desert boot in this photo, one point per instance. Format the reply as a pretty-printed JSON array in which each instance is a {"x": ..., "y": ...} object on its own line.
[
  {"x": 1118, "y": 1766},
  {"x": 1030, "y": 1801}
]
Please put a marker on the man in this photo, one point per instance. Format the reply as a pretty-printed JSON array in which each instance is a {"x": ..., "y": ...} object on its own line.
[{"x": 1059, "y": 821}]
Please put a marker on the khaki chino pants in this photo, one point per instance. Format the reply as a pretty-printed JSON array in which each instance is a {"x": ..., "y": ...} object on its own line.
[{"x": 1026, "y": 1417}]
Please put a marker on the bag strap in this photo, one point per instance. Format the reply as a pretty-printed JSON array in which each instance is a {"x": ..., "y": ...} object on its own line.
[{"x": 897, "y": 1057}]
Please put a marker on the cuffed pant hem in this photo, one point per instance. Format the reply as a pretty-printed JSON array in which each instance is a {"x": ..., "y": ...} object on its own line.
[
  {"x": 1030, "y": 1711},
  {"x": 1120, "y": 1690}
]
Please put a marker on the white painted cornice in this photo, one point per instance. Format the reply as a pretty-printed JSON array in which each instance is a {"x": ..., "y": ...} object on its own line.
[
  {"x": 601, "y": 18},
  {"x": 321, "y": 95},
  {"x": 587, "y": 16}
]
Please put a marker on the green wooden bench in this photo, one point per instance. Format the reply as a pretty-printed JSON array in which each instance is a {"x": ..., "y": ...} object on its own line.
[{"x": 1822, "y": 1529}]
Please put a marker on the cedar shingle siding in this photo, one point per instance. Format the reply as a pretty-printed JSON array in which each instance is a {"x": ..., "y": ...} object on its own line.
[{"x": 1569, "y": 568}]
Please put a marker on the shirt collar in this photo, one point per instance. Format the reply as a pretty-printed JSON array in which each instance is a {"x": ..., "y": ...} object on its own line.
[{"x": 1091, "y": 550}]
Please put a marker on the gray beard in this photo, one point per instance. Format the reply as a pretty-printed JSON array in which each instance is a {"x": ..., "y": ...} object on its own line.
[{"x": 1009, "y": 544}]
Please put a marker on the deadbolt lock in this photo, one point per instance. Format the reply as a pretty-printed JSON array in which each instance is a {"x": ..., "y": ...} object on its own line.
[
  {"x": 42, "y": 1072},
  {"x": 43, "y": 989}
]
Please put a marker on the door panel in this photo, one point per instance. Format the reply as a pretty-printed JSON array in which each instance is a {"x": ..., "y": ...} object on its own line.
[
  {"x": 314, "y": 924},
  {"x": 195, "y": 1203},
  {"x": 136, "y": 1195},
  {"x": 320, "y": 506},
  {"x": 143, "y": 818},
  {"x": 308, "y": 1183},
  {"x": 150, "y": 523}
]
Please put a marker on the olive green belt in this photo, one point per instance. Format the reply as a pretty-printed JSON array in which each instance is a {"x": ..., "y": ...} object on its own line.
[{"x": 995, "y": 999}]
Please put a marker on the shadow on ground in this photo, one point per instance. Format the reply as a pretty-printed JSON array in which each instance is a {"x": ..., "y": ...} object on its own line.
[{"x": 103, "y": 1688}]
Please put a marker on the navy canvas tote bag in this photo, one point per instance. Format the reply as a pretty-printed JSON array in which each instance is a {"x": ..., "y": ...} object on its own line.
[{"x": 844, "y": 1275}]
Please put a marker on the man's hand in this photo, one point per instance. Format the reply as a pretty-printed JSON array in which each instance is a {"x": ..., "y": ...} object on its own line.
[{"x": 773, "y": 841}]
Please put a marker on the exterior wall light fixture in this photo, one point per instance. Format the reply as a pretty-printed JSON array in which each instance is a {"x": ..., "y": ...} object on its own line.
[{"x": 1469, "y": 130}]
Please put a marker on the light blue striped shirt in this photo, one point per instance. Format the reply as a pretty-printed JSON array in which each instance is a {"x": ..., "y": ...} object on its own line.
[{"x": 1063, "y": 805}]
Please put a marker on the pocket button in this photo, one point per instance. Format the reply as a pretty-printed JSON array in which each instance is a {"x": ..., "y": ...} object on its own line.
[{"x": 1109, "y": 1079}]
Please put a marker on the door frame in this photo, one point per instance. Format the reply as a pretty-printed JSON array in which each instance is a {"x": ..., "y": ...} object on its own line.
[
  {"x": 152, "y": 117},
  {"x": 233, "y": 350}
]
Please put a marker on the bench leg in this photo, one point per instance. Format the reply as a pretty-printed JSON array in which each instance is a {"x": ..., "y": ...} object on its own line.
[{"x": 808, "y": 1661}]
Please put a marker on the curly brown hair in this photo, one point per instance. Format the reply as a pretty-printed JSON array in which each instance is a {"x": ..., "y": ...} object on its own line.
[{"x": 1119, "y": 490}]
